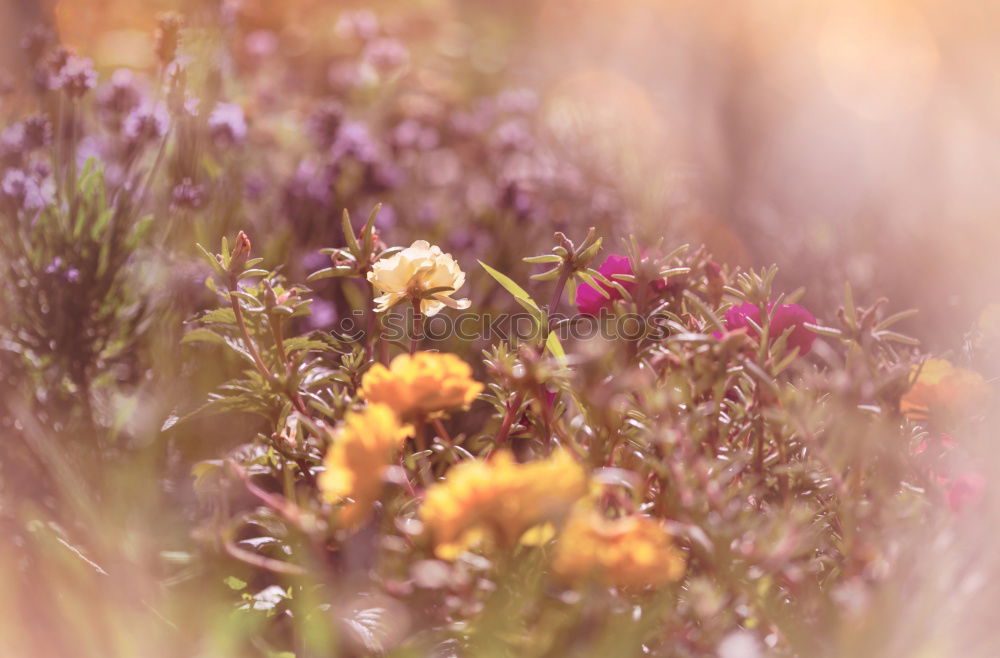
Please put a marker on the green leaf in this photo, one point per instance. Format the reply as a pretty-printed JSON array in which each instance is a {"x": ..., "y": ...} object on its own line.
[
  {"x": 823, "y": 331},
  {"x": 203, "y": 335},
  {"x": 554, "y": 346},
  {"x": 352, "y": 240},
  {"x": 368, "y": 233},
  {"x": 544, "y": 258},
  {"x": 894, "y": 318},
  {"x": 235, "y": 583},
  {"x": 852, "y": 319},
  {"x": 329, "y": 272},
  {"x": 510, "y": 286}
]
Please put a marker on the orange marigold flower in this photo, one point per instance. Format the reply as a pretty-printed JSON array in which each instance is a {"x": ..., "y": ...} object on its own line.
[
  {"x": 423, "y": 384},
  {"x": 493, "y": 503},
  {"x": 944, "y": 393},
  {"x": 628, "y": 552},
  {"x": 361, "y": 450}
]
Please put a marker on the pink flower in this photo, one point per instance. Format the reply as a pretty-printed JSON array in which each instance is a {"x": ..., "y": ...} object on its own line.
[
  {"x": 783, "y": 317},
  {"x": 964, "y": 490},
  {"x": 589, "y": 300}
]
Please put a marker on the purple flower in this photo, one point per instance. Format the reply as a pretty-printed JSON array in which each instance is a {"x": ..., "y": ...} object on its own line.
[
  {"x": 23, "y": 191},
  {"x": 261, "y": 43},
  {"x": 783, "y": 317},
  {"x": 146, "y": 123},
  {"x": 37, "y": 132},
  {"x": 386, "y": 55},
  {"x": 517, "y": 101},
  {"x": 412, "y": 134},
  {"x": 187, "y": 194},
  {"x": 118, "y": 97},
  {"x": 76, "y": 77},
  {"x": 323, "y": 315},
  {"x": 353, "y": 139},
  {"x": 324, "y": 123},
  {"x": 227, "y": 124},
  {"x": 589, "y": 300},
  {"x": 361, "y": 24},
  {"x": 513, "y": 135}
]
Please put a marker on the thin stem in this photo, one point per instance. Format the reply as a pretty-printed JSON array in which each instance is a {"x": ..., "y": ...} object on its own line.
[
  {"x": 508, "y": 418},
  {"x": 374, "y": 327},
  {"x": 418, "y": 326},
  {"x": 279, "y": 339},
  {"x": 260, "y": 561},
  {"x": 442, "y": 432},
  {"x": 251, "y": 346},
  {"x": 558, "y": 292}
]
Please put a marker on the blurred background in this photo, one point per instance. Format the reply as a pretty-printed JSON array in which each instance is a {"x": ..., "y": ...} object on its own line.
[{"x": 841, "y": 139}]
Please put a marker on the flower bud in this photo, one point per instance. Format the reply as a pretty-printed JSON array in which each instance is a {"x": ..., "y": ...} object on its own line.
[
  {"x": 168, "y": 37},
  {"x": 240, "y": 254}
]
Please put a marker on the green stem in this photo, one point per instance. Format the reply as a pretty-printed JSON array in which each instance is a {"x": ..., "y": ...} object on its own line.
[
  {"x": 251, "y": 346},
  {"x": 418, "y": 326}
]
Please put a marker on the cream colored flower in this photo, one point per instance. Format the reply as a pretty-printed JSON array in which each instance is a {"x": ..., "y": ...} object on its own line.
[{"x": 413, "y": 271}]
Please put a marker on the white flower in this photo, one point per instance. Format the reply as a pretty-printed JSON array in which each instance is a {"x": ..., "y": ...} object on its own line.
[{"x": 413, "y": 271}]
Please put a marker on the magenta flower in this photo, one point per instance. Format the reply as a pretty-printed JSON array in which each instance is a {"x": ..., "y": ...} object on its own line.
[
  {"x": 783, "y": 317},
  {"x": 589, "y": 300},
  {"x": 964, "y": 490}
]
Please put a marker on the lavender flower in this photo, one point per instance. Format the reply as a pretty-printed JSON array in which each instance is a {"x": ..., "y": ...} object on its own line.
[
  {"x": 325, "y": 122},
  {"x": 23, "y": 191},
  {"x": 118, "y": 97},
  {"x": 187, "y": 194},
  {"x": 261, "y": 43},
  {"x": 36, "y": 133},
  {"x": 354, "y": 139},
  {"x": 146, "y": 123},
  {"x": 386, "y": 55},
  {"x": 227, "y": 124},
  {"x": 76, "y": 77},
  {"x": 168, "y": 37},
  {"x": 359, "y": 24}
]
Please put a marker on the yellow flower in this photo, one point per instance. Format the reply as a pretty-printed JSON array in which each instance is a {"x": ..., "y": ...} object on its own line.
[
  {"x": 361, "y": 451},
  {"x": 630, "y": 552},
  {"x": 413, "y": 271},
  {"x": 944, "y": 393},
  {"x": 422, "y": 384},
  {"x": 493, "y": 503}
]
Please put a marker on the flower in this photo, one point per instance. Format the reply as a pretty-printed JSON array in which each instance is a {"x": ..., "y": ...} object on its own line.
[
  {"x": 23, "y": 191},
  {"x": 783, "y": 317},
  {"x": 493, "y": 503},
  {"x": 414, "y": 271},
  {"x": 589, "y": 300},
  {"x": 386, "y": 55},
  {"x": 421, "y": 384},
  {"x": 148, "y": 122},
  {"x": 227, "y": 124},
  {"x": 76, "y": 76},
  {"x": 360, "y": 452},
  {"x": 943, "y": 393},
  {"x": 964, "y": 490},
  {"x": 628, "y": 552}
]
